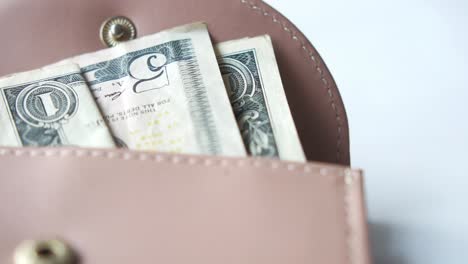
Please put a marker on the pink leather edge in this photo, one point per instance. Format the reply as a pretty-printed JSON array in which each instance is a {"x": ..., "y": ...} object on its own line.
[
  {"x": 327, "y": 81},
  {"x": 357, "y": 216},
  {"x": 354, "y": 212}
]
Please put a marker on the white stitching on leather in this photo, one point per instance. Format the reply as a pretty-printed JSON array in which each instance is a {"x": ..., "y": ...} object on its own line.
[
  {"x": 159, "y": 158},
  {"x": 208, "y": 162},
  {"x": 275, "y": 165},
  {"x": 323, "y": 171},
  {"x": 291, "y": 167},
  {"x": 310, "y": 54},
  {"x": 257, "y": 164},
  {"x": 192, "y": 161},
  {"x": 348, "y": 176},
  {"x": 224, "y": 163},
  {"x": 171, "y": 158},
  {"x": 349, "y": 179},
  {"x": 240, "y": 163}
]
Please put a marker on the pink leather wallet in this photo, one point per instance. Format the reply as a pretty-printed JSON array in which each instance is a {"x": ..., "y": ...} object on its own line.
[
  {"x": 117, "y": 206},
  {"x": 126, "y": 207}
]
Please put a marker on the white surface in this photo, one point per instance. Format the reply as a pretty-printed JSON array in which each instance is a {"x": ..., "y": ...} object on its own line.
[{"x": 402, "y": 69}]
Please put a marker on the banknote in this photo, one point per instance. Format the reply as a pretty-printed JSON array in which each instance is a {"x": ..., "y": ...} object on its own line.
[
  {"x": 253, "y": 82},
  {"x": 164, "y": 92},
  {"x": 50, "y": 107}
]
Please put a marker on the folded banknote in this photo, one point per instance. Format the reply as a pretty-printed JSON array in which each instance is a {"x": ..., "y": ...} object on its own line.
[
  {"x": 50, "y": 107},
  {"x": 164, "y": 92},
  {"x": 253, "y": 82},
  {"x": 171, "y": 91}
]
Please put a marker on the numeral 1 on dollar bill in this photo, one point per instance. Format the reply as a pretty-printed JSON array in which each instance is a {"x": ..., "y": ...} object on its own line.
[{"x": 253, "y": 82}]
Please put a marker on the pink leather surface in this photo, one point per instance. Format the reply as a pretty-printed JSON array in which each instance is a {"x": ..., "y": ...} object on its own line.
[
  {"x": 36, "y": 33},
  {"x": 127, "y": 207}
]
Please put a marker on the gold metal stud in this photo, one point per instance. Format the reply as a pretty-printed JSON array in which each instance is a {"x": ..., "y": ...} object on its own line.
[
  {"x": 116, "y": 30},
  {"x": 43, "y": 252}
]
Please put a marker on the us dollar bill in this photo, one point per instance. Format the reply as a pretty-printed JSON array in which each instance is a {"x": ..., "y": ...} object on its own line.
[
  {"x": 50, "y": 107},
  {"x": 164, "y": 92},
  {"x": 253, "y": 82}
]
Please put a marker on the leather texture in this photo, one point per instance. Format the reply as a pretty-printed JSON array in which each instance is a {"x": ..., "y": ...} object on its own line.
[
  {"x": 36, "y": 33},
  {"x": 114, "y": 206},
  {"x": 121, "y": 207}
]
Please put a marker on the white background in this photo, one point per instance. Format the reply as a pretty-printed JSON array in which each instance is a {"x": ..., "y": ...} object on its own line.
[{"x": 402, "y": 69}]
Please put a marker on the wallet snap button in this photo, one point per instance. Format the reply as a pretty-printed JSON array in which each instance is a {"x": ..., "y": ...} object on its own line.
[
  {"x": 116, "y": 30},
  {"x": 43, "y": 252}
]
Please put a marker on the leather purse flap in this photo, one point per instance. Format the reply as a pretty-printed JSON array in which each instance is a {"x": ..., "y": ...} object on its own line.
[{"x": 129, "y": 207}]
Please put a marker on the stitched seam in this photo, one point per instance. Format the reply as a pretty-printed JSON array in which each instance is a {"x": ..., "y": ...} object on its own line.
[
  {"x": 349, "y": 180},
  {"x": 274, "y": 165},
  {"x": 172, "y": 159},
  {"x": 311, "y": 55}
]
